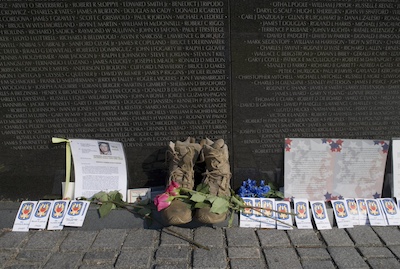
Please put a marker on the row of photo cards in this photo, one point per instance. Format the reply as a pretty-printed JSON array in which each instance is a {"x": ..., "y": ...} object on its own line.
[
  {"x": 53, "y": 215},
  {"x": 274, "y": 214}
]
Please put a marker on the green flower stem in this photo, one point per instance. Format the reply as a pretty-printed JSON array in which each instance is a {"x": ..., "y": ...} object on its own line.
[
  {"x": 185, "y": 238},
  {"x": 126, "y": 206},
  {"x": 181, "y": 196}
]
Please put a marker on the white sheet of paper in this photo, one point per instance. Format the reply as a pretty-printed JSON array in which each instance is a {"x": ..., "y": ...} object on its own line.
[
  {"x": 24, "y": 216},
  {"x": 375, "y": 215},
  {"x": 395, "y": 186},
  {"x": 41, "y": 215},
  {"x": 267, "y": 219},
  {"x": 330, "y": 169},
  {"x": 302, "y": 211},
  {"x": 284, "y": 220},
  {"x": 353, "y": 211},
  {"x": 391, "y": 211},
  {"x": 341, "y": 213},
  {"x": 321, "y": 219},
  {"x": 99, "y": 166},
  {"x": 76, "y": 213},
  {"x": 247, "y": 218},
  {"x": 57, "y": 214}
]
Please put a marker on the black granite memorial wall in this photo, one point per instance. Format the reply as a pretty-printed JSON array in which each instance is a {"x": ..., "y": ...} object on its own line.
[{"x": 148, "y": 72}]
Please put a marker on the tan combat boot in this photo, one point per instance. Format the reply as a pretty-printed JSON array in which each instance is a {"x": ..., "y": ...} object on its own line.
[
  {"x": 181, "y": 157},
  {"x": 217, "y": 177}
]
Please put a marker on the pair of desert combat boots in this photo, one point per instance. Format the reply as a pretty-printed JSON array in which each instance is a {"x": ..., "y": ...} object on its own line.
[{"x": 182, "y": 157}]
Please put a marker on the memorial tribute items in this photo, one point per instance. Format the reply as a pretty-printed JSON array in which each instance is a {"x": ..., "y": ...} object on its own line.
[
  {"x": 76, "y": 213},
  {"x": 250, "y": 81},
  {"x": 341, "y": 212},
  {"x": 24, "y": 216},
  {"x": 217, "y": 177},
  {"x": 391, "y": 211},
  {"x": 57, "y": 213},
  {"x": 181, "y": 157},
  {"x": 320, "y": 214},
  {"x": 302, "y": 211},
  {"x": 99, "y": 165},
  {"x": 41, "y": 215},
  {"x": 329, "y": 169},
  {"x": 283, "y": 216}
]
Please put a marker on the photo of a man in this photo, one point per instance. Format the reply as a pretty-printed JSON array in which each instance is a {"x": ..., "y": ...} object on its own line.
[{"x": 104, "y": 148}]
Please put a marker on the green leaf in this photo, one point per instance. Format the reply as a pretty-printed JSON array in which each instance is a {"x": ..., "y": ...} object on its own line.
[
  {"x": 230, "y": 222},
  {"x": 115, "y": 196},
  {"x": 101, "y": 196},
  {"x": 211, "y": 198},
  {"x": 198, "y": 197},
  {"x": 201, "y": 205},
  {"x": 105, "y": 209},
  {"x": 219, "y": 206},
  {"x": 145, "y": 211},
  {"x": 203, "y": 188}
]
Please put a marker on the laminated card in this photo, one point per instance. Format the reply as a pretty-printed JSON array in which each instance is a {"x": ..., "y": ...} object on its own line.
[
  {"x": 24, "y": 216},
  {"x": 76, "y": 213},
  {"x": 283, "y": 217},
  {"x": 247, "y": 217},
  {"x": 341, "y": 213},
  {"x": 41, "y": 215},
  {"x": 99, "y": 166},
  {"x": 362, "y": 211},
  {"x": 330, "y": 169},
  {"x": 389, "y": 207},
  {"x": 353, "y": 211},
  {"x": 375, "y": 214},
  {"x": 267, "y": 219},
  {"x": 318, "y": 209},
  {"x": 302, "y": 211},
  {"x": 57, "y": 214}
]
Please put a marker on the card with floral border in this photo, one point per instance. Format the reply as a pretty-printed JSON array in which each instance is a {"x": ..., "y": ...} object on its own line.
[
  {"x": 302, "y": 211},
  {"x": 57, "y": 214},
  {"x": 247, "y": 217},
  {"x": 24, "y": 216},
  {"x": 76, "y": 213},
  {"x": 330, "y": 169},
  {"x": 353, "y": 211},
  {"x": 375, "y": 215},
  {"x": 391, "y": 211},
  {"x": 362, "y": 211},
  {"x": 41, "y": 215},
  {"x": 267, "y": 219},
  {"x": 283, "y": 216},
  {"x": 321, "y": 219},
  {"x": 341, "y": 213}
]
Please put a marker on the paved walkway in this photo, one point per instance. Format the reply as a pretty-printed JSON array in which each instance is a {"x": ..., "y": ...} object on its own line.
[{"x": 359, "y": 247}]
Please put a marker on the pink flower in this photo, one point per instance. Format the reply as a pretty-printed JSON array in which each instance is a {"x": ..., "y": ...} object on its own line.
[
  {"x": 162, "y": 201},
  {"x": 173, "y": 188}
]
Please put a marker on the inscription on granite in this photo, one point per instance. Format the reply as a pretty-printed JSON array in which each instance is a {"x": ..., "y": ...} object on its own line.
[
  {"x": 146, "y": 72},
  {"x": 139, "y": 72},
  {"x": 312, "y": 69}
]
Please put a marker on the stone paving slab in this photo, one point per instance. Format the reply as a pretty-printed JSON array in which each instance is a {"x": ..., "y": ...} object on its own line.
[
  {"x": 336, "y": 238},
  {"x": 347, "y": 257},
  {"x": 313, "y": 264},
  {"x": 229, "y": 248}
]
